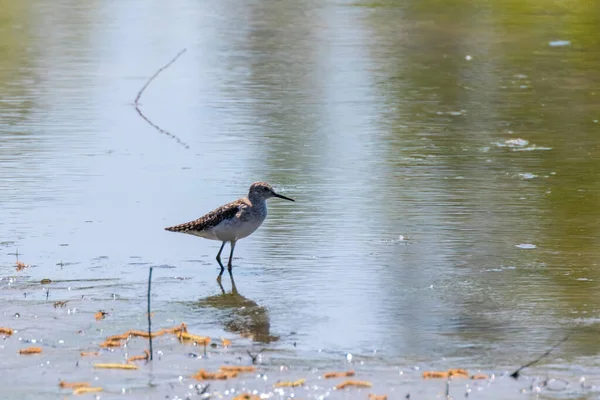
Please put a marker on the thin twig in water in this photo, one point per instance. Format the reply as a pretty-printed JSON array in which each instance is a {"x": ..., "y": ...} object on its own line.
[
  {"x": 546, "y": 354},
  {"x": 150, "y": 315},
  {"x": 254, "y": 357},
  {"x": 139, "y": 95}
]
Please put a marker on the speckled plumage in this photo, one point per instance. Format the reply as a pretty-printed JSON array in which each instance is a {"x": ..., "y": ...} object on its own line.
[{"x": 232, "y": 221}]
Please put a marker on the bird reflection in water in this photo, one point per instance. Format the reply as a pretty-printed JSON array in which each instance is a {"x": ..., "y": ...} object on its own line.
[{"x": 242, "y": 315}]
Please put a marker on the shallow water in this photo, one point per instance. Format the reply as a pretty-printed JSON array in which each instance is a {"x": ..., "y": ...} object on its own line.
[{"x": 444, "y": 159}]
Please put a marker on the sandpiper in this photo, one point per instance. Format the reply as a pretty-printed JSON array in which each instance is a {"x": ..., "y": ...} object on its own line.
[{"x": 232, "y": 221}]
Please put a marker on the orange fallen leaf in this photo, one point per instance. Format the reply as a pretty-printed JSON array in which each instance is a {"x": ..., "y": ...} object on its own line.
[
  {"x": 297, "y": 383},
  {"x": 73, "y": 385},
  {"x": 89, "y": 353},
  {"x": 328, "y": 375},
  {"x": 100, "y": 315},
  {"x": 184, "y": 336},
  {"x": 358, "y": 384},
  {"x": 31, "y": 350},
  {"x": 237, "y": 368},
  {"x": 111, "y": 343},
  {"x": 85, "y": 390},
  {"x": 21, "y": 266},
  {"x": 435, "y": 374},
  {"x": 177, "y": 329},
  {"x": 225, "y": 342},
  {"x": 58, "y": 304},
  {"x": 480, "y": 376},
  {"x": 221, "y": 375},
  {"x": 6, "y": 331},
  {"x": 116, "y": 366},
  {"x": 146, "y": 334},
  {"x": 246, "y": 396},
  {"x": 146, "y": 356},
  {"x": 376, "y": 397},
  {"x": 123, "y": 336},
  {"x": 459, "y": 372}
]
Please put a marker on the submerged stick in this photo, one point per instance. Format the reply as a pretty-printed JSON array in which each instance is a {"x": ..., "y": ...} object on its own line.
[
  {"x": 546, "y": 354},
  {"x": 139, "y": 95},
  {"x": 150, "y": 315}
]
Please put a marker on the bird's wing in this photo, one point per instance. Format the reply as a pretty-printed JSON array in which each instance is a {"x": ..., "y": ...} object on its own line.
[{"x": 210, "y": 220}]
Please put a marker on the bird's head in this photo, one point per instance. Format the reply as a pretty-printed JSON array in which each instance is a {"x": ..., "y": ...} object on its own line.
[{"x": 264, "y": 191}]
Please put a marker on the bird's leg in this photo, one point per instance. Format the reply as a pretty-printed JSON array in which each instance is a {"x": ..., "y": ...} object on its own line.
[
  {"x": 219, "y": 260},
  {"x": 229, "y": 266}
]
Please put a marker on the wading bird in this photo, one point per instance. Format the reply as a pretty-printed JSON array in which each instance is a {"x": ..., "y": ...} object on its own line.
[{"x": 232, "y": 221}]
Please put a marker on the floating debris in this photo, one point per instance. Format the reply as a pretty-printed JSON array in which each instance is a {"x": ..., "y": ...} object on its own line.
[
  {"x": 512, "y": 143},
  {"x": 297, "y": 383},
  {"x": 376, "y": 397},
  {"x": 463, "y": 373},
  {"x": 451, "y": 373},
  {"x": 435, "y": 374},
  {"x": 111, "y": 343},
  {"x": 73, "y": 385},
  {"x": 559, "y": 43},
  {"x": 6, "y": 331},
  {"x": 59, "y": 304},
  {"x": 527, "y": 175},
  {"x": 115, "y": 366},
  {"x": 184, "y": 336},
  {"x": 357, "y": 384},
  {"x": 100, "y": 315},
  {"x": 31, "y": 350},
  {"x": 89, "y": 353},
  {"x": 85, "y": 390},
  {"x": 45, "y": 281},
  {"x": 532, "y": 148},
  {"x": 246, "y": 396},
  {"x": 238, "y": 368},
  {"x": 145, "y": 356},
  {"x": 225, "y": 342},
  {"x": 526, "y": 246},
  {"x": 219, "y": 375},
  {"x": 20, "y": 266},
  {"x": 329, "y": 375}
]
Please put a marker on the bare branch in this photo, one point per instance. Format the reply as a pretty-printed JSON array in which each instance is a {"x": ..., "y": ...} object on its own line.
[{"x": 139, "y": 95}]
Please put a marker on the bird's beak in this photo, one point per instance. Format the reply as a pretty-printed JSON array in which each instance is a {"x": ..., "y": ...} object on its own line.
[{"x": 282, "y": 196}]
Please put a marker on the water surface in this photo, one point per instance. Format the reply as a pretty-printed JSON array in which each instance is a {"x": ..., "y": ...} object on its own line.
[{"x": 443, "y": 155}]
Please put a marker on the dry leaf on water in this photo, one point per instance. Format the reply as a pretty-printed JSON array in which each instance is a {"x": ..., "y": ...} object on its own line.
[
  {"x": 480, "y": 376},
  {"x": 146, "y": 356},
  {"x": 116, "y": 366},
  {"x": 58, "y": 304},
  {"x": 21, "y": 266},
  {"x": 31, "y": 350},
  {"x": 453, "y": 372},
  {"x": 188, "y": 337},
  {"x": 297, "y": 383},
  {"x": 89, "y": 353},
  {"x": 6, "y": 331},
  {"x": 376, "y": 397},
  {"x": 225, "y": 342},
  {"x": 100, "y": 315},
  {"x": 73, "y": 385},
  {"x": 220, "y": 375},
  {"x": 328, "y": 375},
  {"x": 358, "y": 384},
  {"x": 459, "y": 372},
  {"x": 111, "y": 343},
  {"x": 237, "y": 368},
  {"x": 85, "y": 390},
  {"x": 246, "y": 396}
]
